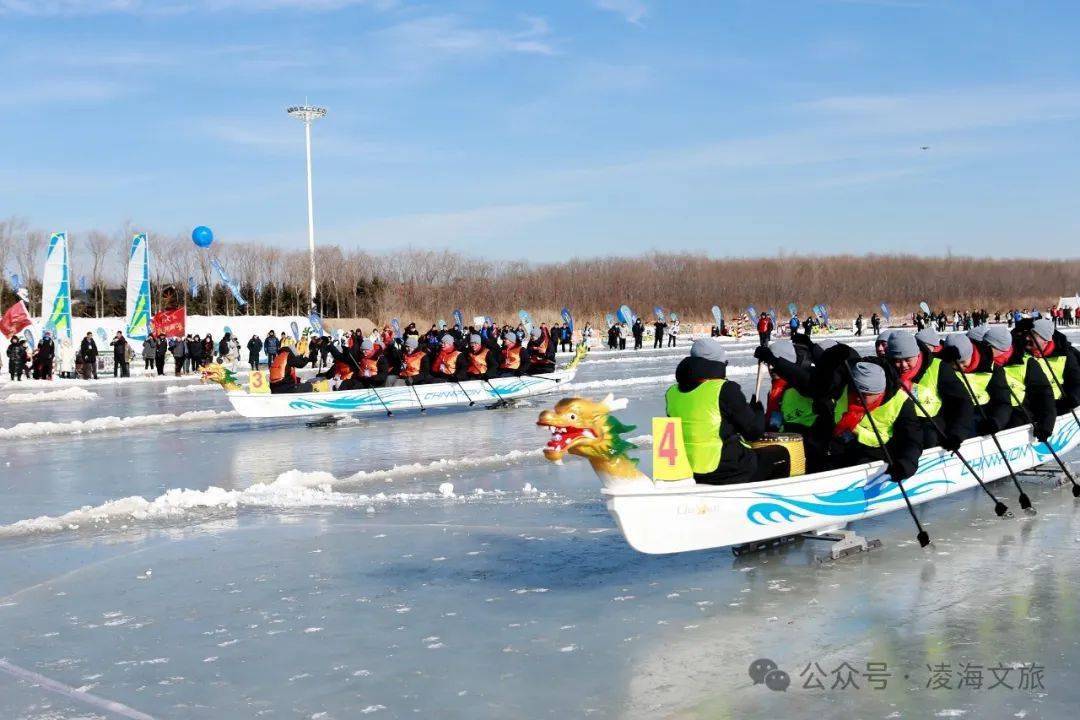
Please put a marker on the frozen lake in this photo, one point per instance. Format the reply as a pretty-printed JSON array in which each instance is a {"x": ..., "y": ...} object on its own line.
[{"x": 333, "y": 573}]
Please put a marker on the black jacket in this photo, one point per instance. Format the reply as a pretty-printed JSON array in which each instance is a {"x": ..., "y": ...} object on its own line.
[
  {"x": 957, "y": 416},
  {"x": 997, "y": 411},
  {"x": 737, "y": 462}
]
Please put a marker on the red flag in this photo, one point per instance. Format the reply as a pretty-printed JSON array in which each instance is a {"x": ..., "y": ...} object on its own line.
[
  {"x": 15, "y": 319},
  {"x": 169, "y": 323}
]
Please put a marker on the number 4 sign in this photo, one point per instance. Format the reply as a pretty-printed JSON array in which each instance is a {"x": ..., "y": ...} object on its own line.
[{"x": 669, "y": 450}]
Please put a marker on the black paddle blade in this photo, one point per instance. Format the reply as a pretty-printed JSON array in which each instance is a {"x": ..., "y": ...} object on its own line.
[
  {"x": 1076, "y": 491},
  {"x": 1025, "y": 502},
  {"x": 923, "y": 537},
  {"x": 1001, "y": 509}
]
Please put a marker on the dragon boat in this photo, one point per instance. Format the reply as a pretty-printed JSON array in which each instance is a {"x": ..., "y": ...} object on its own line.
[
  {"x": 667, "y": 512},
  {"x": 254, "y": 400}
]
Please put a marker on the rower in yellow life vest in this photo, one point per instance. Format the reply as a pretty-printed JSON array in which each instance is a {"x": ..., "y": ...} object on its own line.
[
  {"x": 872, "y": 415},
  {"x": 1030, "y": 394},
  {"x": 943, "y": 402},
  {"x": 448, "y": 365},
  {"x": 717, "y": 421},
  {"x": 481, "y": 363},
  {"x": 789, "y": 407},
  {"x": 974, "y": 363},
  {"x": 1058, "y": 362}
]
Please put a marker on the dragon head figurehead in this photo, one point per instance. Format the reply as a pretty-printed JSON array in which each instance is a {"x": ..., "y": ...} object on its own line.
[
  {"x": 586, "y": 428},
  {"x": 221, "y": 375}
]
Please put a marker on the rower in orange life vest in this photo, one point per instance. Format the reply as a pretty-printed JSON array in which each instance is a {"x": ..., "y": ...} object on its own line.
[
  {"x": 1029, "y": 388},
  {"x": 414, "y": 366},
  {"x": 283, "y": 378},
  {"x": 1057, "y": 359},
  {"x": 372, "y": 365},
  {"x": 515, "y": 358},
  {"x": 541, "y": 351},
  {"x": 941, "y": 394},
  {"x": 449, "y": 363},
  {"x": 481, "y": 363}
]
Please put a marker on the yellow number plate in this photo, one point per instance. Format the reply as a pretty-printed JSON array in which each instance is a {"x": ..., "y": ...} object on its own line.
[
  {"x": 669, "y": 450},
  {"x": 258, "y": 383}
]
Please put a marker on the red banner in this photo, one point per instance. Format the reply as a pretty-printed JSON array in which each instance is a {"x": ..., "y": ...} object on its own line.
[
  {"x": 14, "y": 320},
  {"x": 169, "y": 323}
]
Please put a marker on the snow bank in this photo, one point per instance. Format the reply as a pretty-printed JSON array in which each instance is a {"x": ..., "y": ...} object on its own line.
[
  {"x": 183, "y": 389},
  {"x": 69, "y": 394},
  {"x": 76, "y": 427}
]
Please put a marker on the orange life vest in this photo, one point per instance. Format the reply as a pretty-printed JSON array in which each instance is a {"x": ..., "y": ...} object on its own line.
[
  {"x": 446, "y": 362},
  {"x": 342, "y": 369},
  {"x": 369, "y": 366},
  {"x": 412, "y": 363},
  {"x": 478, "y": 362},
  {"x": 511, "y": 358},
  {"x": 280, "y": 367}
]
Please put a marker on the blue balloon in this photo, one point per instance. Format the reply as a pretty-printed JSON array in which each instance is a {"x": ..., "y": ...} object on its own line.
[{"x": 202, "y": 236}]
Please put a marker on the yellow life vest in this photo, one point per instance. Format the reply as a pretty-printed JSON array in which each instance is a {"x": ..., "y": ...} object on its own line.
[
  {"x": 699, "y": 410},
  {"x": 884, "y": 417}
]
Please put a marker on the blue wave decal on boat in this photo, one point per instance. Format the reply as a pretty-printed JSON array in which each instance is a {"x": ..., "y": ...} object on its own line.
[
  {"x": 852, "y": 500},
  {"x": 343, "y": 403}
]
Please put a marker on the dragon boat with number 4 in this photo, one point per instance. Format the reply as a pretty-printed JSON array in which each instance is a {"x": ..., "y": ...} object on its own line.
[
  {"x": 256, "y": 401},
  {"x": 668, "y": 512}
]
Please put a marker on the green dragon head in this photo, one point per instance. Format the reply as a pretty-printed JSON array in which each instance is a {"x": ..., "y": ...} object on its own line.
[
  {"x": 221, "y": 375},
  {"x": 587, "y": 429}
]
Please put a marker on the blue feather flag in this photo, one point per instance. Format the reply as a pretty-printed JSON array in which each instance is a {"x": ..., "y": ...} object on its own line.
[
  {"x": 792, "y": 309},
  {"x": 234, "y": 287},
  {"x": 885, "y": 311},
  {"x": 624, "y": 314},
  {"x": 610, "y": 319},
  {"x": 717, "y": 316},
  {"x": 396, "y": 324},
  {"x": 459, "y": 318},
  {"x": 568, "y": 319}
]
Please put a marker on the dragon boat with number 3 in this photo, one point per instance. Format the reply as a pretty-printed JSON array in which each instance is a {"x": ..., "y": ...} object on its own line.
[
  {"x": 668, "y": 512},
  {"x": 256, "y": 401}
]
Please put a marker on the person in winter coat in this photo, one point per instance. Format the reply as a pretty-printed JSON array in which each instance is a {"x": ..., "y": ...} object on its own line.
[
  {"x": 613, "y": 337},
  {"x": 673, "y": 334},
  {"x": 448, "y": 363},
  {"x": 161, "y": 349},
  {"x": 658, "y": 333},
  {"x": 120, "y": 355},
  {"x": 254, "y": 347},
  {"x": 193, "y": 352},
  {"x": 207, "y": 349},
  {"x": 271, "y": 346},
  {"x": 88, "y": 350},
  {"x": 638, "y": 331},
  {"x": 48, "y": 354},
  {"x": 149, "y": 347},
  {"x": 179, "y": 349},
  {"x": 764, "y": 329},
  {"x": 224, "y": 348},
  {"x": 875, "y": 323},
  {"x": 17, "y": 358},
  {"x": 66, "y": 360}
]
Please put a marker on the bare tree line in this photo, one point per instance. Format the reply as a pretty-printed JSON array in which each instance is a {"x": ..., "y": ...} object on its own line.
[{"x": 427, "y": 284}]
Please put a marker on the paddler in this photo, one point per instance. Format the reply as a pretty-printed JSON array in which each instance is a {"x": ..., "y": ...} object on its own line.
[
  {"x": 481, "y": 362},
  {"x": 891, "y": 425},
  {"x": 414, "y": 365},
  {"x": 929, "y": 337},
  {"x": 790, "y": 408},
  {"x": 515, "y": 358},
  {"x": 1055, "y": 357},
  {"x": 283, "y": 377},
  {"x": 717, "y": 421},
  {"x": 988, "y": 390},
  {"x": 541, "y": 351},
  {"x": 1029, "y": 388},
  {"x": 448, "y": 364},
  {"x": 881, "y": 342},
  {"x": 940, "y": 393},
  {"x": 373, "y": 366}
]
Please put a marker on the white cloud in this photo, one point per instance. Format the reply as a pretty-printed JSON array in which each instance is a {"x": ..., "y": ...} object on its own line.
[
  {"x": 165, "y": 7},
  {"x": 633, "y": 11},
  {"x": 451, "y": 35}
]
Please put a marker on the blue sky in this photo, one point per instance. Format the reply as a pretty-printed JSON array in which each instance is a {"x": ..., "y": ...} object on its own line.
[{"x": 546, "y": 130}]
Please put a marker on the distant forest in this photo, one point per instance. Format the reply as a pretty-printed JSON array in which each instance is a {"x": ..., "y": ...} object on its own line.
[{"x": 425, "y": 285}]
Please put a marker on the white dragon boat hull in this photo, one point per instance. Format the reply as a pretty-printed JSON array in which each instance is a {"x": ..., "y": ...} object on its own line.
[
  {"x": 474, "y": 393},
  {"x": 669, "y": 517}
]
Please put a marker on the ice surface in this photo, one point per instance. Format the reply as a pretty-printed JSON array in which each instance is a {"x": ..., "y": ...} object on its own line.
[{"x": 436, "y": 566}]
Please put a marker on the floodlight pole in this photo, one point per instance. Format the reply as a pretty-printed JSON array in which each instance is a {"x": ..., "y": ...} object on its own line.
[{"x": 309, "y": 114}]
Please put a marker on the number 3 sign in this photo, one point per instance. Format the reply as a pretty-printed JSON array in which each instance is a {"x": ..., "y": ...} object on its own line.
[
  {"x": 257, "y": 383},
  {"x": 669, "y": 451}
]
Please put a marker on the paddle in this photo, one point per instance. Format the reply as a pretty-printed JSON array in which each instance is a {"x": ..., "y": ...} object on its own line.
[
  {"x": 922, "y": 536},
  {"x": 1025, "y": 501},
  {"x": 1054, "y": 377},
  {"x": 416, "y": 394},
  {"x": 999, "y": 507}
]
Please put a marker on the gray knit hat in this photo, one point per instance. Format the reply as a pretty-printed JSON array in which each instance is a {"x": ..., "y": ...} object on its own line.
[
  {"x": 868, "y": 377},
  {"x": 412, "y": 342},
  {"x": 535, "y": 333},
  {"x": 709, "y": 349},
  {"x": 783, "y": 349},
  {"x": 928, "y": 336},
  {"x": 367, "y": 346},
  {"x": 510, "y": 337},
  {"x": 1043, "y": 328},
  {"x": 883, "y": 336},
  {"x": 447, "y": 339},
  {"x": 902, "y": 345},
  {"x": 998, "y": 338},
  {"x": 977, "y": 333},
  {"x": 962, "y": 344},
  {"x": 475, "y": 339}
]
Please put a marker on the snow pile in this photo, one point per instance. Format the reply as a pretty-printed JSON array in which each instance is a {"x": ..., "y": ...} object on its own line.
[
  {"x": 77, "y": 427},
  {"x": 69, "y": 393},
  {"x": 183, "y": 389}
]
